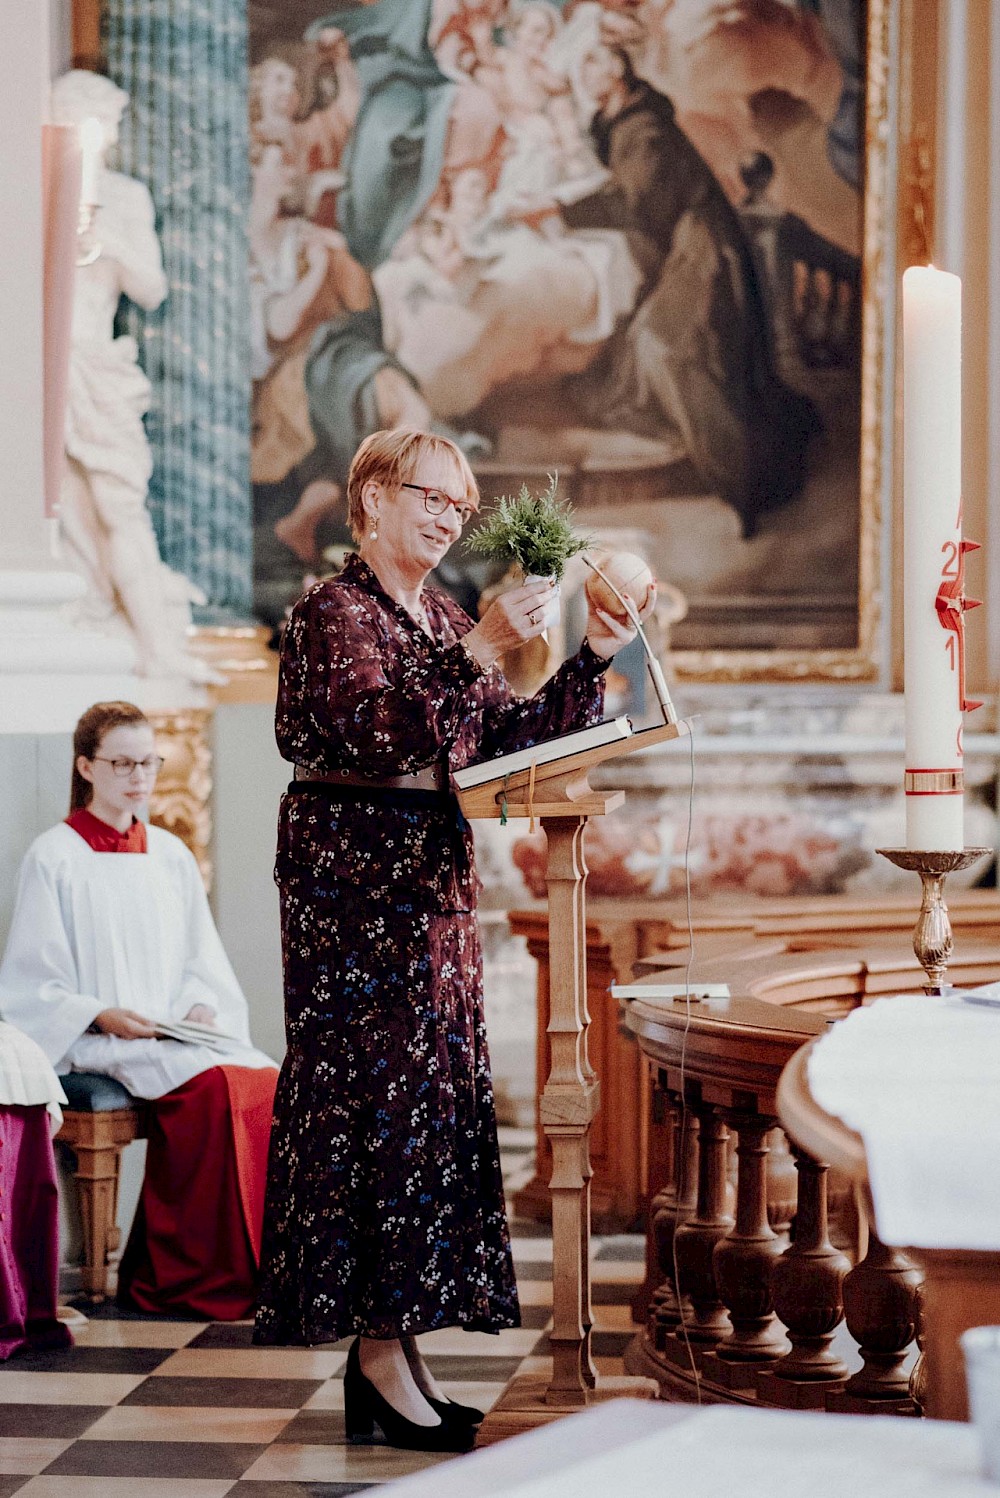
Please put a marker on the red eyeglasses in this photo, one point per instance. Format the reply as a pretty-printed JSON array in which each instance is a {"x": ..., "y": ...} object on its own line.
[{"x": 436, "y": 502}]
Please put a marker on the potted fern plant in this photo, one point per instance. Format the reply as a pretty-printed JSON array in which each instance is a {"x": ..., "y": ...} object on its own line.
[{"x": 535, "y": 531}]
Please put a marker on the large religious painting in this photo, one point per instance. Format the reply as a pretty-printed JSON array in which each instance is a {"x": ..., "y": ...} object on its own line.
[{"x": 637, "y": 243}]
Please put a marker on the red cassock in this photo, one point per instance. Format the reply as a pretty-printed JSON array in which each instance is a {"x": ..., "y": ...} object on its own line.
[
  {"x": 195, "y": 1242},
  {"x": 29, "y": 1234}
]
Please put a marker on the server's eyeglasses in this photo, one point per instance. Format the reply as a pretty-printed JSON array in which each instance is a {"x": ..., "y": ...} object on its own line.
[{"x": 123, "y": 768}]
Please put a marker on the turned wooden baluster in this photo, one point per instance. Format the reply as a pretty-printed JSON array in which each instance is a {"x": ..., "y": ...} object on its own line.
[
  {"x": 918, "y": 1374},
  {"x": 782, "y": 1184},
  {"x": 669, "y": 1208},
  {"x": 743, "y": 1261},
  {"x": 880, "y": 1308},
  {"x": 806, "y": 1283},
  {"x": 695, "y": 1240}
]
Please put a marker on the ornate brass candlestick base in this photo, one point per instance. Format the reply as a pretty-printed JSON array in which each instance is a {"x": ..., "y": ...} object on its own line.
[{"x": 932, "y": 940}]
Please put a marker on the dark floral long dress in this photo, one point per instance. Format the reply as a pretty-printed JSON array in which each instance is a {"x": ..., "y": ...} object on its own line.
[{"x": 385, "y": 1210}]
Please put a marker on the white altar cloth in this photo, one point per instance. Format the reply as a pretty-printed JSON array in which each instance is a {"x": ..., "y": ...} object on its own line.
[
  {"x": 628, "y": 1449},
  {"x": 918, "y": 1077}
]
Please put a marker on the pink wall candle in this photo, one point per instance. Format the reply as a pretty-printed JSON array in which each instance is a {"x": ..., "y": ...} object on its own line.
[
  {"x": 932, "y": 555},
  {"x": 61, "y": 204}
]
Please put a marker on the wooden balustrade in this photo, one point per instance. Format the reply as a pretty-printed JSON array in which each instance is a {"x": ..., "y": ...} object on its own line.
[
  {"x": 828, "y": 953},
  {"x": 768, "y": 1317},
  {"x": 763, "y": 1315}
]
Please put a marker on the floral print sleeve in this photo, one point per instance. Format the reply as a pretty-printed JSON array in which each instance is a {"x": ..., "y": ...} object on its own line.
[
  {"x": 573, "y": 698},
  {"x": 350, "y": 696},
  {"x": 363, "y": 688}
]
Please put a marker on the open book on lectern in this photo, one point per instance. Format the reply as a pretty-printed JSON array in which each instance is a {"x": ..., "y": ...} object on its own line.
[
  {"x": 550, "y": 778},
  {"x": 560, "y": 747}
]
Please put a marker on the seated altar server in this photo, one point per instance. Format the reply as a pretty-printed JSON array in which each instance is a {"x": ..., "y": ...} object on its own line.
[{"x": 111, "y": 939}]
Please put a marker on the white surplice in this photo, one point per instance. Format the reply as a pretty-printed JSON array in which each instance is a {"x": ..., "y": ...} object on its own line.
[
  {"x": 27, "y": 1077},
  {"x": 95, "y": 931}
]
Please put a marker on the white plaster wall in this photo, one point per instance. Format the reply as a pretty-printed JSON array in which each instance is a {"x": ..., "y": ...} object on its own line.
[
  {"x": 249, "y": 779},
  {"x": 34, "y": 773}
]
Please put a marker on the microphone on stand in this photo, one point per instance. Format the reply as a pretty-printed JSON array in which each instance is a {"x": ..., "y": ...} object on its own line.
[{"x": 655, "y": 671}]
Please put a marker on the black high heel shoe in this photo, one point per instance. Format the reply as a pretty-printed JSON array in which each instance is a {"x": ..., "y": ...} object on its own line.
[
  {"x": 365, "y": 1407},
  {"x": 458, "y": 1414}
]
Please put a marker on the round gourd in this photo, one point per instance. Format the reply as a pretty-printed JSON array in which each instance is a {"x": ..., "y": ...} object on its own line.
[{"x": 630, "y": 575}]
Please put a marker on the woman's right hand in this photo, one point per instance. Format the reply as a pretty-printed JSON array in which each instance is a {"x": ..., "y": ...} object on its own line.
[
  {"x": 511, "y": 619},
  {"x": 126, "y": 1024}
]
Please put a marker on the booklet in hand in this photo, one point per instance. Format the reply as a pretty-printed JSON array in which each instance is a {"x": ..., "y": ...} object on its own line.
[{"x": 193, "y": 1033}]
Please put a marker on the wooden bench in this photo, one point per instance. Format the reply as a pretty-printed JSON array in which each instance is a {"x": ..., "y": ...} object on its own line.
[{"x": 101, "y": 1119}]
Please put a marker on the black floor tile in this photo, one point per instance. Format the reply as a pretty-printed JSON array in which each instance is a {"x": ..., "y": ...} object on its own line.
[
  {"x": 238, "y": 1334},
  {"x": 523, "y": 1227},
  {"x": 229, "y": 1393},
  {"x": 457, "y": 1368},
  {"x": 300, "y": 1489},
  {"x": 86, "y": 1360},
  {"x": 9, "y": 1485},
  {"x": 610, "y": 1294},
  {"x": 48, "y": 1422},
  {"x": 314, "y": 1428},
  {"x": 224, "y": 1334},
  {"x": 627, "y": 1249},
  {"x": 533, "y": 1269},
  {"x": 610, "y": 1344},
  {"x": 535, "y": 1318},
  {"x": 204, "y": 1459},
  {"x": 116, "y": 1310}
]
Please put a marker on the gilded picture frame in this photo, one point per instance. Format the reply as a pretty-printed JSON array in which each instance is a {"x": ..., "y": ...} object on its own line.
[{"x": 848, "y": 643}]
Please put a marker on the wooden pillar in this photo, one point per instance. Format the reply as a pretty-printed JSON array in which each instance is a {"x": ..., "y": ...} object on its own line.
[
  {"x": 671, "y": 1207},
  {"x": 807, "y": 1287},
  {"x": 743, "y": 1261},
  {"x": 695, "y": 1239},
  {"x": 568, "y": 1103},
  {"x": 880, "y": 1308}
]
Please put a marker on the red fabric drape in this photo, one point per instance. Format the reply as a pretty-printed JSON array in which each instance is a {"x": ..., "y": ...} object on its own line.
[
  {"x": 195, "y": 1242},
  {"x": 29, "y": 1233}
]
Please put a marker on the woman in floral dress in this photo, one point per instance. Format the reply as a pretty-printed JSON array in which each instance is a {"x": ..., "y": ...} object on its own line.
[{"x": 385, "y": 1212}]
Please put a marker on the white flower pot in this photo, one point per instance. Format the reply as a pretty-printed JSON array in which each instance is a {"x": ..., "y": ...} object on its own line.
[{"x": 552, "y": 609}]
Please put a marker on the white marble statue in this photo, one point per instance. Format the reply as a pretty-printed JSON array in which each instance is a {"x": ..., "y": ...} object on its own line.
[{"x": 103, "y": 514}]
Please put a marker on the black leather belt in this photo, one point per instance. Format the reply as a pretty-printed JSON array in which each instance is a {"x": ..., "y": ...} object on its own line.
[{"x": 434, "y": 778}]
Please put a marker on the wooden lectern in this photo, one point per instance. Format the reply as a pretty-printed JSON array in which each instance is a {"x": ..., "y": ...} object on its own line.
[{"x": 560, "y": 796}]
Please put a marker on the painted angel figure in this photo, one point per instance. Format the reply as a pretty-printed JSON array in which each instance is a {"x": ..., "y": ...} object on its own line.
[{"x": 104, "y": 520}]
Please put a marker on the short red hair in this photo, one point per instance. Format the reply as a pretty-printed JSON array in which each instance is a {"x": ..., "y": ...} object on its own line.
[{"x": 390, "y": 457}]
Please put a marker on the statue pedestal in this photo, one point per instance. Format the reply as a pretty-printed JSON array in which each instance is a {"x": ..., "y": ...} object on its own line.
[{"x": 52, "y": 667}]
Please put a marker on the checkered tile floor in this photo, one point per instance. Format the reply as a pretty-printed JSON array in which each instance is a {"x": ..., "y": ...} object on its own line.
[{"x": 145, "y": 1408}]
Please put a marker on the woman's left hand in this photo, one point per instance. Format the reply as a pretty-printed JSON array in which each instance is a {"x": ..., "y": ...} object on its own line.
[
  {"x": 606, "y": 635},
  {"x": 200, "y": 1014}
]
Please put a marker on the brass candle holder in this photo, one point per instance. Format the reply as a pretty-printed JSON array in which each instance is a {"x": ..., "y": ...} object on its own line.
[{"x": 932, "y": 936}]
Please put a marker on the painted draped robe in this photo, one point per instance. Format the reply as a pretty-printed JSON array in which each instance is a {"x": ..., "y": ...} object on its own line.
[
  {"x": 95, "y": 930},
  {"x": 385, "y": 1211}
]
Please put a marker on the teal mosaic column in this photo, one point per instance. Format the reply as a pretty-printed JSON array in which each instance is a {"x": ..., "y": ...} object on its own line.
[{"x": 184, "y": 65}]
